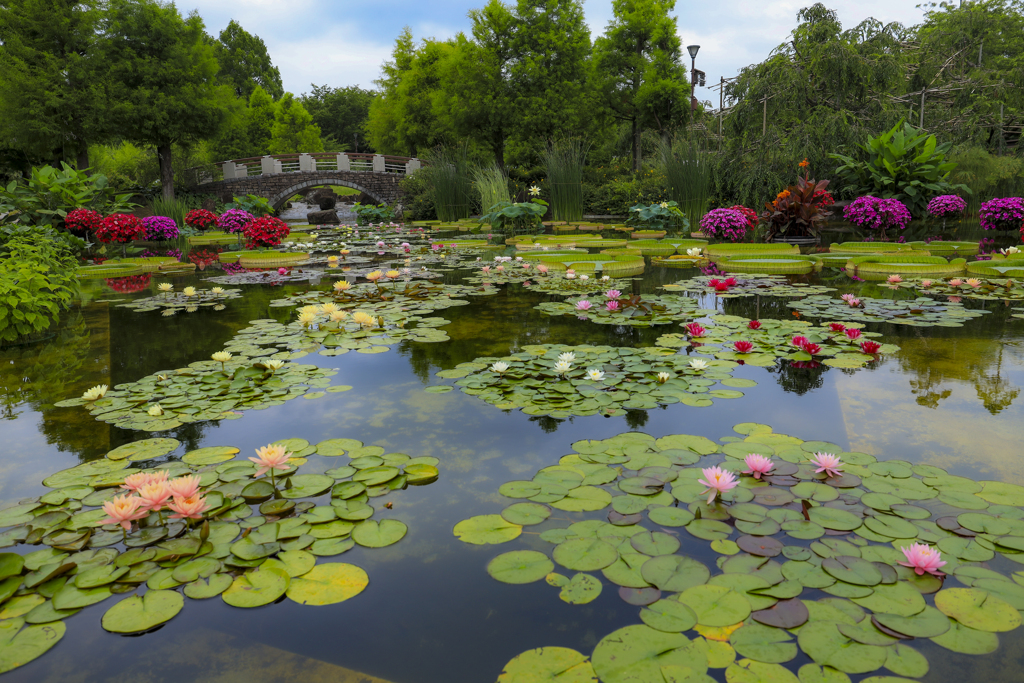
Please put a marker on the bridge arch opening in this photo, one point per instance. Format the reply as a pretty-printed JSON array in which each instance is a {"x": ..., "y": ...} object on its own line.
[{"x": 279, "y": 199}]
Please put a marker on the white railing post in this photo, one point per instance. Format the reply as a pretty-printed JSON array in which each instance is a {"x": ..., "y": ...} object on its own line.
[
  {"x": 278, "y": 166},
  {"x": 378, "y": 163},
  {"x": 229, "y": 170},
  {"x": 344, "y": 163},
  {"x": 412, "y": 166},
  {"x": 268, "y": 165},
  {"x": 306, "y": 163}
]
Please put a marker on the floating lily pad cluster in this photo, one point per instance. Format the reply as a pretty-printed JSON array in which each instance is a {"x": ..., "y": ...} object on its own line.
[
  {"x": 970, "y": 288},
  {"x": 806, "y": 562},
  {"x": 260, "y": 539},
  {"x": 636, "y": 310},
  {"x": 174, "y": 302},
  {"x": 269, "y": 277},
  {"x": 919, "y": 312},
  {"x": 629, "y": 379},
  {"x": 551, "y": 282},
  {"x": 415, "y": 298},
  {"x": 747, "y": 285},
  {"x": 373, "y": 335},
  {"x": 207, "y": 390},
  {"x": 773, "y": 340}
]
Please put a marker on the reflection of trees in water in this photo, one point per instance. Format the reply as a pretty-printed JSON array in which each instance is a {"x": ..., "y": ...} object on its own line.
[
  {"x": 547, "y": 423},
  {"x": 635, "y": 419}
]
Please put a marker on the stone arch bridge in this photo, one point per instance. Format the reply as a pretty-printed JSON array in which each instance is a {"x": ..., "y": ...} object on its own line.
[{"x": 279, "y": 177}]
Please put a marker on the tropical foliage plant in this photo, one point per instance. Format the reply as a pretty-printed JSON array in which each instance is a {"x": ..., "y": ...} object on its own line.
[
  {"x": 798, "y": 211},
  {"x": 516, "y": 217},
  {"x": 49, "y": 194},
  {"x": 37, "y": 282},
  {"x": 368, "y": 213},
  {"x": 662, "y": 216}
]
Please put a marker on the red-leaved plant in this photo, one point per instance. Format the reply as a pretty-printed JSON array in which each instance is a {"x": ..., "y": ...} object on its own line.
[{"x": 798, "y": 211}]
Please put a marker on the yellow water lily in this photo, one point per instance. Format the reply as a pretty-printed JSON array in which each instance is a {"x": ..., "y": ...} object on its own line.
[
  {"x": 156, "y": 410},
  {"x": 342, "y": 285},
  {"x": 96, "y": 393},
  {"x": 189, "y": 291},
  {"x": 307, "y": 318},
  {"x": 364, "y": 319},
  {"x": 221, "y": 356},
  {"x": 165, "y": 286}
]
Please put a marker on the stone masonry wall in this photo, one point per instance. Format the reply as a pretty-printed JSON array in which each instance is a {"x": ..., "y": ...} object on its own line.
[{"x": 279, "y": 187}]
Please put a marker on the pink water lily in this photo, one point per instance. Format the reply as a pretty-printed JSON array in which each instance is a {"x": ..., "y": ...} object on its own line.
[
  {"x": 270, "y": 458},
  {"x": 184, "y": 487},
  {"x": 837, "y": 327},
  {"x": 154, "y": 495},
  {"x": 191, "y": 507},
  {"x": 123, "y": 510},
  {"x": 828, "y": 463},
  {"x": 583, "y": 305},
  {"x": 801, "y": 341},
  {"x": 894, "y": 279},
  {"x": 611, "y": 305},
  {"x": 923, "y": 558},
  {"x": 757, "y": 465},
  {"x": 696, "y": 330},
  {"x": 718, "y": 482},
  {"x": 134, "y": 482},
  {"x": 613, "y": 294},
  {"x": 852, "y": 334},
  {"x": 743, "y": 347}
]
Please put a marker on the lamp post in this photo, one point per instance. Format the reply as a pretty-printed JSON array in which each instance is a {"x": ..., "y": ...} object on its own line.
[{"x": 692, "y": 49}]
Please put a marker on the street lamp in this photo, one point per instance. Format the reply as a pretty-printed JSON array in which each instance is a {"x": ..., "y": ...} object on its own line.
[{"x": 694, "y": 75}]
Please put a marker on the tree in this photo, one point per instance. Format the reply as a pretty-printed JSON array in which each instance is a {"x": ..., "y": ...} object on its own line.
[
  {"x": 293, "y": 129},
  {"x": 162, "y": 87},
  {"x": 638, "y": 70},
  {"x": 245, "y": 63},
  {"x": 259, "y": 121},
  {"x": 341, "y": 113},
  {"x": 50, "y": 100}
]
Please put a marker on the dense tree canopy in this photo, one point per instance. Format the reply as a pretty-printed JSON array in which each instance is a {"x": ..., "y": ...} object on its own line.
[
  {"x": 341, "y": 114},
  {"x": 245, "y": 63}
]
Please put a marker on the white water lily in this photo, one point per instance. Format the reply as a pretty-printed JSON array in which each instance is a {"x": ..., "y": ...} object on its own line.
[
  {"x": 273, "y": 365},
  {"x": 534, "y": 191},
  {"x": 499, "y": 367},
  {"x": 595, "y": 375},
  {"x": 664, "y": 377},
  {"x": 605, "y": 278},
  {"x": 96, "y": 393},
  {"x": 217, "y": 290},
  {"x": 695, "y": 252},
  {"x": 584, "y": 277},
  {"x": 221, "y": 356},
  {"x": 562, "y": 367},
  {"x": 663, "y": 205},
  {"x": 568, "y": 356},
  {"x": 155, "y": 411},
  {"x": 698, "y": 364}
]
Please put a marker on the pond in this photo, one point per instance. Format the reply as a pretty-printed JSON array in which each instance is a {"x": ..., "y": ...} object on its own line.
[{"x": 929, "y": 431}]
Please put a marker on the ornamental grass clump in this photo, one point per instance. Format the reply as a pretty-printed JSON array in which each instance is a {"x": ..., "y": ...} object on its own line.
[
  {"x": 1002, "y": 213},
  {"x": 160, "y": 228},
  {"x": 725, "y": 224},
  {"x": 872, "y": 213}
]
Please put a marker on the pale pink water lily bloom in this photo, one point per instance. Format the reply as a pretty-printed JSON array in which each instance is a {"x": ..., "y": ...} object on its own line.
[
  {"x": 184, "y": 487},
  {"x": 852, "y": 333},
  {"x": 894, "y": 279},
  {"x": 926, "y": 284},
  {"x": 613, "y": 294},
  {"x": 134, "y": 482},
  {"x": 973, "y": 282},
  {"x": 583, "y": 305},
  {"x": 270, "y": 458},
  {"x": 923, "y": 558},
  {"x": 757, "y": 465},
  {"x": 542, "y": 269},
  {"x": 611, "y": 305},
  {"x": 718, "y": 482},
  {"x": 123, "y": 510},
  {"x": 191, "y": 507},
  {"x": 154, "y": 495},
  {"x": 847, "y": 297},
  {"x": 956, "y": 282},
  {"x": 828, "y": 463}
]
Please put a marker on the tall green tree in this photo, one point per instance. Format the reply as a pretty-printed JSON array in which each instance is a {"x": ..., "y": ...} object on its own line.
[
  {"x": 293, "y": 129},
  {"x": 51, "y": 100},
  {"x": 259, "y": 121},
  {"x": 245, "y": 63},
  {"x": 638, "y": 70},
  {"x": 341, "y": 114},
  {"x": 162, "y": 83}
]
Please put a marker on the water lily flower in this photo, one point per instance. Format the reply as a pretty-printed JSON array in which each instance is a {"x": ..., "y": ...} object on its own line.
[
  {"x": 743, "y": 346},
  {"x": 696, "y": 330},
  {"x": 154, "y": 495},
  {"x": 730, "y": 281},
  {"x": 526, "y": 266},
  {"x": 189, "y": 291},
  {"x": 698, "y": 364},
  {"x": 570, "y": 271},
  {"x": 500, "y": 269},
  {"x": 344, "y": 252},
  {"x": 956, "y": 282},
  {"x": 973, "y": 282},
  {"x": 595, "y": 375},
  {"x": 570, "y": 276},
  {"x": 392, "y": 274},
  {"x": 338, "y": 316},
  {"x": 282, "y": 271},
  {"x": 1009, "y": 250},
  {"x": 96, "y": 393},
  {"x": 486, "y": 269},
  {"x": 754, "y": 325},
  {"x": 854, "y": 302},
  {"x": 221, "y": 357},
  {"x": 191, "y": 507},
  {"x": 332, "y": 258},
  {"x": 605, "y": 278},
  {"x": 184, "y": 487},
  {"x": 837, "y": 327},
  {"x": 584, "y": 277},
  {"x": 123, "y": 510},
  {"x": 925, "y": 284},
  {"x": 217, "y": 290},
  {"x": 812, "y": 349},
  {"x": 718, "y": 481},
  {"x": 664, "y": 377},
  {"x": 611, "y": 305},
  {"x": 435, "y": 247},
  {"x": 828, "y": 463},
  {"x": 155, "y": 410},
  {"x": 534, "y": 191},
  {"x": 363, "y": 318},
  {"x": 165, "y": 286},
  {"x": 527, "y": 283},
  {"x": 133, "y": 482},
  {"x": 694, "y": 252},
  {"x": 613, "y": 294},
  {"x": 870, "y": 347},
  {"x": 499, "y": 367},
  {"x": 721, "y": 287},
  {"x": 847, "y": 297},
  {"x": 542, "y": 269},
  {"x": 954, "y": 299},
  {"x": 758, "y": 465},
  {"x": 342, "y": 285},
  {"x": 562, "y": 367},
  {"x": 923, "y": 558},
  {"x": 568, "y": 356},
  {"x": 852, "y": 333},
  {"x": 307, "y": 318},
  {"x": 380, "y": 245},
  {"x": 269, "y": 458},
  {"x": 519, "y": 258},
  {"x": 894, "y": 279},
  {"x": 374, "y": 276},
  {"x": 273, "y": 364},
  {"x": 663, "y": 205},
  {"x": 328, "y": 308},
  {"x": 583, "y": 305}
]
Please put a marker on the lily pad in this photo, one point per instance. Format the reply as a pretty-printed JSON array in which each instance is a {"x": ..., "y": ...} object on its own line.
[
  {"x": 19, "y": 646},
  {"x": 715, "y": 605},
  {"x": 327, "y": 584},
  {"x": 639, "y": 653},
  {"x": 548, "y": 665},
  {"x": 520, "y": 566},
  {"x": 977, "y": 609},
  {"x": 486, "y": 529},
  {"x": 585, "y": 554},
  {"x": 141, "y": 613},
  {"x": 257, "y": 588},
  {"x": 373, "y": 534}
]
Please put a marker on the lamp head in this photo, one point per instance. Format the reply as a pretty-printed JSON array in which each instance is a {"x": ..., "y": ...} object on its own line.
[{"x": 692, "y": 49}]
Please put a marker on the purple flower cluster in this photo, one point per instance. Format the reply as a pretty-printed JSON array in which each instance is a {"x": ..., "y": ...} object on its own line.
[
  {"x": 724, "y": 224},
  {"x": 1005, "y": 213},
  {"x": 160, "y": 228},
  {"x": 946, "y": 205},
  {"x": 234, "y": 220},
  {"x": 877, "y": 214}
]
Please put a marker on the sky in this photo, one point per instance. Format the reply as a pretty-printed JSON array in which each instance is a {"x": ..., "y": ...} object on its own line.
[{"x": 344, "y": 42}]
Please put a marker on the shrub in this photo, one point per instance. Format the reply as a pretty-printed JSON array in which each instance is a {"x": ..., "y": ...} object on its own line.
[
  {"x": 49, "y": 194},
  {"x": 265, "y": 232},
  {"x": 235, "y": 220},
  {"x": 368, "y": 213},
  {"x": 873, "y": 213},
  {"x": 37, "y": 282},
  {"x": 120, "y": 228},
  {"x": 797, "y": 211},
  {"x": 159, "y": 228},
  {"x": 727, "y": 224},
  {"x": 201, "y": 219},
  {"x": 946, "y": 205},
  {"x": 83, "y": 221},
  {"x": 751, "y": 215},
  {"x": 1005, "y": 213}
]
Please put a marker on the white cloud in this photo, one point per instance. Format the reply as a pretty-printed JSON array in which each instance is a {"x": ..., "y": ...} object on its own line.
[{"x": 330, "y": 60}]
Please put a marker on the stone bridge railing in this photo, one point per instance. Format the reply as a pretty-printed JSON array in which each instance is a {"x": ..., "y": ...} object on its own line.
[{"x": 301, "y": 162}]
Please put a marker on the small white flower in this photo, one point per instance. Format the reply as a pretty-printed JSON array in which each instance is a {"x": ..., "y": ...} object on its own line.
[
  {"x": 698, "y": 364},
  {"x": 605, "y": 278},
  {"x": 221, "y": 356},
  {"x": 499, "y": 367},
  {"x": 534, "y": 191},
  {"x": 595, "y": 375},
  {"x": 584, "y": 277},
  {"x": 568, "y": 356},
  {"x": 96, "y": 393},
  {"x": 664, "y": 377},
  {"x": 663, "y": 205},
  {"x": 695, "y": 252},
  {"x": 273, "y": 365},
  {"x": 562, "y": 367}
]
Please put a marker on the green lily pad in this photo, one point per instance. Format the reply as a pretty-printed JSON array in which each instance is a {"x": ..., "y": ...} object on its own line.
[
  {"x": 548, "y": 665},
  {"x": 526, "y": 514},
  {"x": 19, "y": 646},
  {"x": 966, "y": 640},
  {"x": 579, "y": 590},
  {"x": 520, "y": 566},
  {"x": 373, "y": 534},
  {"x": 307, "y": 485},
  {"x": 977, "y": 609},
  {"x": 900, "y": 599},
  {"x": 141, "y": 613},
  {"x": 927, "y": 623},
  {"x": 638, "y": 653},
  {"x": 327, "y": 584},
  {"x": 210, "y": 456},
  {"x": 668, "y": 615},
  {"x": 585, "y": 554},
  {"x": 257, "y": 588},
  {"x": 716, "y": 605},
  {"x": 486, "y": 529},
  {"x": 852, "y": 570},
  {"x": 201, "y": 589},
  {"x": 827, "y": 646},
  {"x": 144, "y": 449},
  {"x": 70, "y": 597},
  {"x": 763, "y": 643},
  {"x": 750, "y": 671}
]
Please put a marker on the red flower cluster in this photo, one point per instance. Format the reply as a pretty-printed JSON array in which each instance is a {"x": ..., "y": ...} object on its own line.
[
  {"x": 722, "y": 285},
  {"x": 129, "y": 284},
  {"x": 201, "y": 219},
  {"x": 749, "y": 214},
  {"x": 81, "y": 221},
  {"x": 265, "y": 232},
  {"x": 120, "y": 228},
  {"x": 826, "y": 198}
]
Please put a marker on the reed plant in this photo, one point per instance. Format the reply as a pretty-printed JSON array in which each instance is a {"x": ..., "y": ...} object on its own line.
[
  {"x": 176, "y": 208},
  {"x": 565, "y": 160},
  {"x": 450, "y": 178},
  {"x": 492, "y": 185},
  {"x": 688, "y": 174}
]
